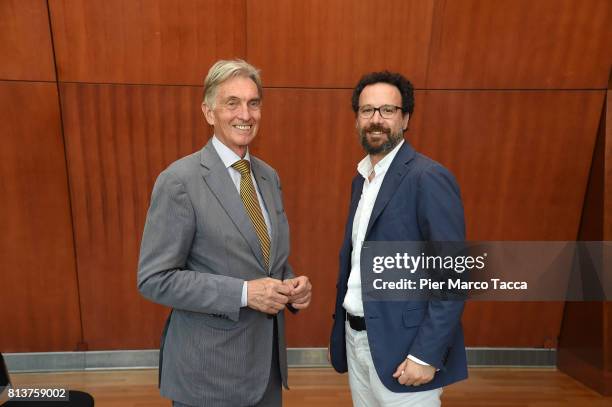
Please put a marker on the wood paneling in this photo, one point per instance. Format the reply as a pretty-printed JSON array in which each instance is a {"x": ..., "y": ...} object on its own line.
[
  {"x": 512, "y": 324},
  {"x": 38, "y": 294},
  {"x": 145, "y": 41},
  {"x": 585, "y": 339},
  {"x": 607, "y": 306},
  {"x": 607, "y": 205},
  {"x": 526, "y": 44},
  {"x": 25, "y": 41},
  {"x": 522, "y": 160},
  {"x": 583, "y": 345},
  {"x": 331, "y": 43},
  {"x": 119, "y": 138}
]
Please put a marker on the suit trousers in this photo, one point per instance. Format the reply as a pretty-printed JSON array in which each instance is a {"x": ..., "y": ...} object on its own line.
[
  {"x": 273, "y": 396},
  {"x": 366, "y": 388}
]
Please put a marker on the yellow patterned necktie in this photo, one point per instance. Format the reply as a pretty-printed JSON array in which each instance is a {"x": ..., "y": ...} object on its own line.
[{"x": 251, "y": 204}]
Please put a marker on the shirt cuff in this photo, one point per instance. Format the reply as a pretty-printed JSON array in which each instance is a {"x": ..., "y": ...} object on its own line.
[
  {"x": 244, "y": 300},
  {"x": 419, "y": 361}
]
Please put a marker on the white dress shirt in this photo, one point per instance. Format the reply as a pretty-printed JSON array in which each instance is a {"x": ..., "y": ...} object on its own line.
[
  {"x": 353, "y": 303},
  {"x": 229, "y": 157}
]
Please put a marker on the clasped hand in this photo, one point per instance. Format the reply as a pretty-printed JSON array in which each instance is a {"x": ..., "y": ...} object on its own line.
[
  {"x": 410, "y": 373},
  {"x": 270, "y": 295}
]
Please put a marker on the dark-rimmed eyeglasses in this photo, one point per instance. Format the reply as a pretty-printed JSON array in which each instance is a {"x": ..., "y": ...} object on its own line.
[{"x": 386, "y": 111}]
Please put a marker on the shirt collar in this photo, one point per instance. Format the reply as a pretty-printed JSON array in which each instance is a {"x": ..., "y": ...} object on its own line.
[
  {"x": 365, "y": 166},
  {"x": 226, "y": 154}
]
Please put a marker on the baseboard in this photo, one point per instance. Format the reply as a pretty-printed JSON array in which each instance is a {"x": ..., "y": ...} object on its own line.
[{"x": 296, "y": 357}]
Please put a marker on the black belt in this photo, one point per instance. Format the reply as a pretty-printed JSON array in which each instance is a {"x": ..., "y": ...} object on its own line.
[{"x": 356, "y": 323}]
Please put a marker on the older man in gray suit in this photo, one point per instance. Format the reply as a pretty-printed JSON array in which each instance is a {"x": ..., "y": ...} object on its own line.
[{"x": 215, "y": 248}]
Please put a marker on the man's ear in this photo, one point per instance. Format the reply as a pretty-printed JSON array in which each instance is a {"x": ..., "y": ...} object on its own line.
[
  {"x": 405, "y": 121},
  {"x": 208, "y": 114}
]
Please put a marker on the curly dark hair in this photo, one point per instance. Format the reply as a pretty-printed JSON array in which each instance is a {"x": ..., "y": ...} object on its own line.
[{"x": 398, "y": 80}]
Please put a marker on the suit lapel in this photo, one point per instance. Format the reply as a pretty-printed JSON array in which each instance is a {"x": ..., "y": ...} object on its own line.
[
  {"x": 347, "y": 247},
  {"x": 266, "y": 189},
  {"x": 217, "y": 178},
  {"x": 357, "y": 190},
  {"x": 396, "y": 172}
]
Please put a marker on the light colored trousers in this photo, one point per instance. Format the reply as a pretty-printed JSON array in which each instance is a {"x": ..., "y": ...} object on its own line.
[{"x": 366, "y": 388}]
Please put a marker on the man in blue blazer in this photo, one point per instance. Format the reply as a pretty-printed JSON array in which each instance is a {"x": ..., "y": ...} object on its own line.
[{"x": 396, "y": 353}]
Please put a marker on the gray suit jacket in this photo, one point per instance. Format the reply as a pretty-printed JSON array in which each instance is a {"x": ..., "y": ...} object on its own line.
[{"x": 197, "y": 249}]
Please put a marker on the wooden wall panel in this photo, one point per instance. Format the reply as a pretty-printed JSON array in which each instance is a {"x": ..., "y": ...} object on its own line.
[
  {"x": 523, "y": 168},
  {"x": 522, "y": 158},
  {"x": 119, "y": 138},
  {"x": 512, "y": 324},
  {"x": 607, "y": 306},
  {"x": 25, "y": 41},
  {"x": 145, "y": 41},
  {"x": 607, "y": 204},
  {"x": 38, "y": 294},
  {"x": 544, "y": 44},
  {"x": 331, "y": 43},
  {"x": 585, "y": 344}
]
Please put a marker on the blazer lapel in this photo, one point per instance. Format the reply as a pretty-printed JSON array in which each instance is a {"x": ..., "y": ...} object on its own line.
[
  {"x": 347, "y": 245},
  {"x": 357, "y": 190},
  {"x": 217, "y": 178},
  {"x": 396, "y": 172}
]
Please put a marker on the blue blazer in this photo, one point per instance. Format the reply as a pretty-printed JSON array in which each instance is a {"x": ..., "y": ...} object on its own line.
[{"x": 419, "y": 200}]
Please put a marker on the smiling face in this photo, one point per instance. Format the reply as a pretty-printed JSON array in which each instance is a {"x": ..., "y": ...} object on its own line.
[
  {"x": 378, "y": 135},
  {"x": 236, "y": 113}
]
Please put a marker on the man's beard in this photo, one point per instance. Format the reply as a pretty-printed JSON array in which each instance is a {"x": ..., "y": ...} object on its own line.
[{"x": 393, "y": 139}]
